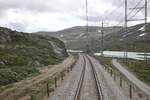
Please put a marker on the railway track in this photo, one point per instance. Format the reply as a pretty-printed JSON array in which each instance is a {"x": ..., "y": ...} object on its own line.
[
  {"x": 89, "y": 81},
  {"x": 77, "y": 93},
  {"x": 99, "y": 88},
  {"x": 80, "y": 83}
]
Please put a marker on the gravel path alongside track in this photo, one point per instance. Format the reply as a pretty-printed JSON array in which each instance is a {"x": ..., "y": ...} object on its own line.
[
  {"x": 67, "y": 91},
  {"x": 110, "y": 89},
  {"x": 131, "y": 77}
]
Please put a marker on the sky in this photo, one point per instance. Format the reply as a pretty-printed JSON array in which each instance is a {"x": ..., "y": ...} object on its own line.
[{"x": 54, "y": 15}]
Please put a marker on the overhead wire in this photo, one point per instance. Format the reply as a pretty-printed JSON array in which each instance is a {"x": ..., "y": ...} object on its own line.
[
  {"x": 134, "y": 8},
  {"x": 113, "y": 11},
  {"x": 139, "y": 10}
]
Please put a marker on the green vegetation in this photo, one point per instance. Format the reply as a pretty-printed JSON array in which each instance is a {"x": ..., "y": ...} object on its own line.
[
  {"x": 114, "y": 38},
  {"x": 75, "y": 37},
  {"x": 40, "y": 92},
  {"x": 21, "y": 54},
  {"x": 10, "y": 75},
  {"x": 105, "y": 61},
  {"x": 139, "y": 68},
  {"x": 134, "y": 42}
]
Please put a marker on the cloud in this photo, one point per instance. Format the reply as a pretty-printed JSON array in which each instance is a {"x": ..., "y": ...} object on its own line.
[{"x": 53, "y": 15}]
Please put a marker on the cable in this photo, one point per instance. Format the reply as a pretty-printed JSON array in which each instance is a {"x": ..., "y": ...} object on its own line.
[
  {"x": 113, "y": 11},
  {"x": 120, "y": 7},
  {"x": 133, "y": 9},
  {"x": 87, "y": 16},
  {"x": 128, "y": 13},
  {"x": 138, "y": 11}
]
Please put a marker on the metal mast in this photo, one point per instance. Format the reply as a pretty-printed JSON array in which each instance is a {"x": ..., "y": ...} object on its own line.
[
  {"x": 102, "y": 40},
  {"x": 131, "y": 19},
  {"x": 126, "y": 25},
  {"x": 145, "y": 58},
  {"x": 87, "y": 26}
]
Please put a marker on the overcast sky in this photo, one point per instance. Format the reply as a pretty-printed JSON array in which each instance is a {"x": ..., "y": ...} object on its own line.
[{"x": 53, "y": 15}]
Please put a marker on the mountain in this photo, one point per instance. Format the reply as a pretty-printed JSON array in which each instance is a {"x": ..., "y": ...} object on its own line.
[
  {"x": 136, "y": 39},
  {"x": 77, "y": 37},
  {"x": 21, "y": 54}
]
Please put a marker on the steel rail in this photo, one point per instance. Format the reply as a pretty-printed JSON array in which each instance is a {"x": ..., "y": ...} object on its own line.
[
  {"x": 77, "y": 93},
  {"x": 99, "y": 88}
]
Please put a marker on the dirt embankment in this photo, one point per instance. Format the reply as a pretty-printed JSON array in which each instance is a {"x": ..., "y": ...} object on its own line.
[{"x": 24, "y": 87}]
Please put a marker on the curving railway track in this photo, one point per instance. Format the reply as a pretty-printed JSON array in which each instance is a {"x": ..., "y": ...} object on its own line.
[
  {"x": 89, "y": 81},
  {"x": 96, "y": 84}
]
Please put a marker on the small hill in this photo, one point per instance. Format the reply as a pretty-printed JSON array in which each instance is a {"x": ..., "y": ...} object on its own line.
[
  {"x": 136, "y": 39},
  {"x": 77, "y": 37},
  {"x": 21, "y": 54}
]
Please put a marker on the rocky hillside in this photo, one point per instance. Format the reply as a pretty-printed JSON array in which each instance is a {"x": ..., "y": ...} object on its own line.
[
  {"x": 137, "y": 39},
  {"x": 77, "y": 37},
  {"x": 21, "y": 54}
]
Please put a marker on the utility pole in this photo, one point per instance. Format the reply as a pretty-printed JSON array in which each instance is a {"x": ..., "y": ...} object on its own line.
[
  {"x": 126, "y": 25},
  {"x": 145, "y": 57},
  {"x": 102, "y": 39},
  {"x": 144, "y": 7},
  {"x": 87, "y": 26},
  {"x": 87, "y": 16}
]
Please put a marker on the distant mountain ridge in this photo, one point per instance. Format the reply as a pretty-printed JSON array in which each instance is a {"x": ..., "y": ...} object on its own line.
[
  {"x": 77, "y": 37},
  {"x": 78, "y": 29},
  {"x": 137, "y": 39}
]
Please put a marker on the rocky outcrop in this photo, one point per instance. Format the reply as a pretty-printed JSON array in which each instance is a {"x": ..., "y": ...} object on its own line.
[{"x": 22, "y": 54}]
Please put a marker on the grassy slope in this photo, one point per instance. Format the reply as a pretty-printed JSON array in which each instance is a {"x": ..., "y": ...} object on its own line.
[
  {"x": 21, "y": 57},
  {"x": 114, "y": 41},
  {"x": 139, "y": 68},
  {"x": 75, "y": 38}
]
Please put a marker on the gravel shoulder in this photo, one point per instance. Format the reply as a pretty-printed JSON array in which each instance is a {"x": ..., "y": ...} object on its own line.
[
  {"x": 111, "y": 90},
  {"x": 67, "y": 90},
  {"x": 145, "y": 88}
]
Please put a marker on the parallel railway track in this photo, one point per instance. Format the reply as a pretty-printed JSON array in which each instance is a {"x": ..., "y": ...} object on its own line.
[
  {"x": 80, "y": 83},
  {"x": 77, "y": 93}
]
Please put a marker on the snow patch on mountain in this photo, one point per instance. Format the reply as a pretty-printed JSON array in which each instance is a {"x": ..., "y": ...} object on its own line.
[
  {"x": 142, "y": 34},
  {"x": 142, "y": 28}
]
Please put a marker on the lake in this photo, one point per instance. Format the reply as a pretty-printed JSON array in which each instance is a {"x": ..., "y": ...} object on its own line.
[{"x": 120, "y": 54}]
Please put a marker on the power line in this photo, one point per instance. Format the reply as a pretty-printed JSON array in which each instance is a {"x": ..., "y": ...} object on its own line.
[
  {"x": 133, "y": 9},
  {"x": 87, "y": 26},
  {"x": 113, "y": 11},
  {"x": 130, "y": 11},
  {"x": 122, "y": 3},
  {"x": 120, "y": 22},
  {"x": 126, "y": 25},
  {"x": 87, "y": 16},
  {"x": 139, "y": 11}
]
